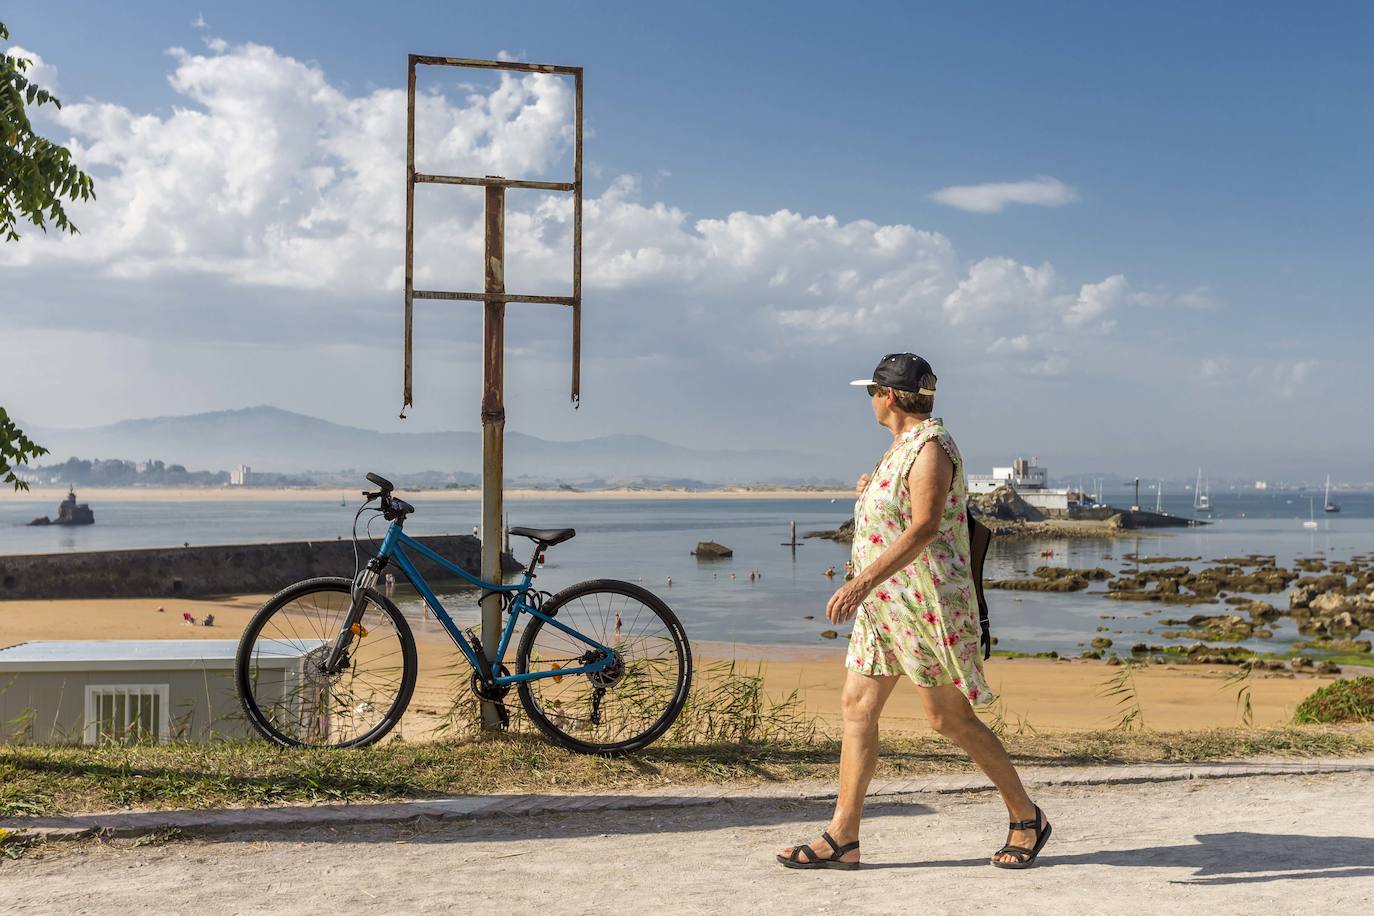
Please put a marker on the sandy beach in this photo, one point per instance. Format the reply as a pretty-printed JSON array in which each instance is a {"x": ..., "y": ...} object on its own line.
[
  {"x": 1040, "y": 695},
  {"x": 330, "y": 494}
]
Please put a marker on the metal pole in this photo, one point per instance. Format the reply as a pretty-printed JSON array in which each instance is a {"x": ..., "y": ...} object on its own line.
[
  {"x": 407, "y": 391},
  {"x": 493, "y": 424}
]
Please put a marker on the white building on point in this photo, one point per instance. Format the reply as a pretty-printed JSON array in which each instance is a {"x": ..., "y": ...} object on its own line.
[
  {"x": 1030, "y": 481},
  {"x": 240, "y": 475}
]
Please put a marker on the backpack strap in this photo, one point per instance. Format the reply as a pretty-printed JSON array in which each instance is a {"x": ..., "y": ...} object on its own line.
[{"x": 979, "y": 537}]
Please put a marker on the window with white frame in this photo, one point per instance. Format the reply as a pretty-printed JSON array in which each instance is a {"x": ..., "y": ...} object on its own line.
[{"x": 125, "y": 713}]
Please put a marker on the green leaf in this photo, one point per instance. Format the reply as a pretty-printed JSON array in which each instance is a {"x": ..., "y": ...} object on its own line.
[{"x": 36, "y": 175}]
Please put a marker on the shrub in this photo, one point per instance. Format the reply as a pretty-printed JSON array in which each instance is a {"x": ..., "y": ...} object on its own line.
[{"x": 1342, "y": 701}]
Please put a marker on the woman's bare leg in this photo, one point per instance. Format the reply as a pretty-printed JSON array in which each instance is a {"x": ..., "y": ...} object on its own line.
[
  {"x": 861, "y": 704},
  {"x": 950, "y": 714}
]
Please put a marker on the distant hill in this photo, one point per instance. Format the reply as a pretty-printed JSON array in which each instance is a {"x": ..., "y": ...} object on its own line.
[{"x": 271, "y": 439}]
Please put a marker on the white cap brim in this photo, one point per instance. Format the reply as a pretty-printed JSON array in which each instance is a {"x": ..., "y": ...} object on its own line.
[{"x": 869, "y": 381}]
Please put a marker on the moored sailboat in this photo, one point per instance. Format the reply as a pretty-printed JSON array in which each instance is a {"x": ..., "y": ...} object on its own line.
[{"x": 1327, "y": 504}]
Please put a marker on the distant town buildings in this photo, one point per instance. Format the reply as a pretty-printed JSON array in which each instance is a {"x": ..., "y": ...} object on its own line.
[
  {"x": 240, "y": 475},
  {"x": 1261, "y": 484}
]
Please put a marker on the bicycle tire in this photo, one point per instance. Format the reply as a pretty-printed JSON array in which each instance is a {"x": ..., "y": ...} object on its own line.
[
  {"x": 681, "y": 646},
  {"x": 243, "y": 664}
]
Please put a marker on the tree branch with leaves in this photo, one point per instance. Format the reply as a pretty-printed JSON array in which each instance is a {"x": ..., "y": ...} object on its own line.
[{"x": 36, "y": 176}]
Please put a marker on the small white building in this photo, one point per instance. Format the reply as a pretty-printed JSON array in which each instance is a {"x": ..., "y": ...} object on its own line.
[
  {"x": 1023, "y": 475},
  {"x": 240, "y": 475},
  {"x": 95, "y": 691},
  {"x": 1029, "y": 479}
]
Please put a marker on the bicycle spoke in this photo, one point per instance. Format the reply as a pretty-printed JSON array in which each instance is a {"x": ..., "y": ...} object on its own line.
[
  {"x": 633, "y": 695},
  {"x": 294, "y": 695}
]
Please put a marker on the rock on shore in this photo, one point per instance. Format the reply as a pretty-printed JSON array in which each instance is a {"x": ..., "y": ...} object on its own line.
[{"x": 1004, "y": 504}]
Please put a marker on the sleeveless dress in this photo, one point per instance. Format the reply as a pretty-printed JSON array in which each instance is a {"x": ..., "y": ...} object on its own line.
[{"x": 923, "y": 621}]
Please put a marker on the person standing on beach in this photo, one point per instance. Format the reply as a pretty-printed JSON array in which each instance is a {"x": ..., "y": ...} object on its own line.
[{"x": 915, "y": 614}]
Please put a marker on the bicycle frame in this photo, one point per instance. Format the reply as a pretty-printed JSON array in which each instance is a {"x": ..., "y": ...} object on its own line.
[{"x": 391, "y": 551}]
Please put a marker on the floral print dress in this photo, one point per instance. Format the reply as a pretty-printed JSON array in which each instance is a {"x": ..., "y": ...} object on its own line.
[{"x": 923, "y": 621}]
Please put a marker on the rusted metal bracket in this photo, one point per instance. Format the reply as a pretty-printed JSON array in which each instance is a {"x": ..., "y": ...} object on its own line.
[{"x": 494, "y": 295}]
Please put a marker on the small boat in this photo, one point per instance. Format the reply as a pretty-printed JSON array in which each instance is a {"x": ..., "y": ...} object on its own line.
[
  {"x": 1327, "y": 504},
  {"x": 1312, "y": 522}
]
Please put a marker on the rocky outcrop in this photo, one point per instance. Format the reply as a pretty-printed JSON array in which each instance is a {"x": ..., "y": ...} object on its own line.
[
  {"x": 710, "y": 550},
  {"x": 1335, "y": 645},
  {"x": 1071, "y": 583},
  {"x": 1223, "y": 627},
  {"x": 1096, "y": 574},
  {"x": 1004, "y": 503},
  {"x": 844, "y": 534}
]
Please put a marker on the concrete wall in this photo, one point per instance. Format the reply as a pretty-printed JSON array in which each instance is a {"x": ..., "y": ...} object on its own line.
[
  {"x": 49, "y": 707},
  {"x": 203, "y": 571}
]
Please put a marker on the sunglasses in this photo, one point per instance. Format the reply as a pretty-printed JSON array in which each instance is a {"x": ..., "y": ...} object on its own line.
[{"x": 874, "y": 389}]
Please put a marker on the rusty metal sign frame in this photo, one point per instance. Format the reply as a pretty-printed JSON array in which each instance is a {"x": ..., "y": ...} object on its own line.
[{"x": 495, "y": 295}]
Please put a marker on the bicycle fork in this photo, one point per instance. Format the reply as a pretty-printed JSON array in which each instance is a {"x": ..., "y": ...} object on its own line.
[{"x": 352, "y": 625}]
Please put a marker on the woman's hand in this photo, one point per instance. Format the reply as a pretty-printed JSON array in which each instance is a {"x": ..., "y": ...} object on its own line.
[
  {"x": 859, "y": 487},
  {"x": 844, "y": 604}
]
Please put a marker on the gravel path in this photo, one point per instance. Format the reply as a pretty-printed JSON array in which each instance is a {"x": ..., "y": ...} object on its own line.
[{"x": 1255, "y": 844}]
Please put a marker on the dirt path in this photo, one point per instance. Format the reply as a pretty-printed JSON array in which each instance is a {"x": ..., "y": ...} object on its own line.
[{"x": 1245, "y": 845}]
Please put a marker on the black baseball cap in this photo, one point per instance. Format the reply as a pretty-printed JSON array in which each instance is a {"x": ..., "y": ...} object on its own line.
[{"x": 902, "y": 371}]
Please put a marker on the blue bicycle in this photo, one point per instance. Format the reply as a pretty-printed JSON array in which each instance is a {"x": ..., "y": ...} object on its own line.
[{"x": 602, "y": 667}]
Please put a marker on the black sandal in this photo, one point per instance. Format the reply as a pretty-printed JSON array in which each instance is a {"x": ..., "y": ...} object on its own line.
[
  {"x": 793, "y": 860},
  {"x": 1025, "y": 858}
]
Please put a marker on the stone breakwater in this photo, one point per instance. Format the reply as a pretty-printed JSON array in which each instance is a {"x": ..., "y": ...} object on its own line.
[{"x": 236, "y": 569}]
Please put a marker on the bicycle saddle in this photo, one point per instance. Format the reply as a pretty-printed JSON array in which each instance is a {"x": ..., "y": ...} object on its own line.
[{"x": 546, "y": 535}]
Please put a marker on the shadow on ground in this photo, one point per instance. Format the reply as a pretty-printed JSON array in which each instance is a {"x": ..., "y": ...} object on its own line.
[{"x": 1218, "y": 858}]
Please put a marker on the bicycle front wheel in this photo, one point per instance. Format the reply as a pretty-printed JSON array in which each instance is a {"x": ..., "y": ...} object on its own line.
[
  {"x": 629, "y": 704},
  {"x": 289, "y": 697}
]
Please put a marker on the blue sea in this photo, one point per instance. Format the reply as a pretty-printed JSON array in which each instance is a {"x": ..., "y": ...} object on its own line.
[{"x": 647, "y": 541}]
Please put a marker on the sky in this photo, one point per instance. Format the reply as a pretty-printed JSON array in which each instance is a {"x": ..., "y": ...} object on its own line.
[{"x": 1127, "y": 239}]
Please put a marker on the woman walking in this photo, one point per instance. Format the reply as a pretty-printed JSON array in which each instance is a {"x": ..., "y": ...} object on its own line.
[{"x": 917, "y": 615}]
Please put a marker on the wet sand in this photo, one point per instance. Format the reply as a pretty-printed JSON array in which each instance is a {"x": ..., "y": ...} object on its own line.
[{"x": 1040, "y": 694}]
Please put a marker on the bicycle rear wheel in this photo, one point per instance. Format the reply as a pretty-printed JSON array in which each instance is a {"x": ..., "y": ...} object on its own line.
[
  {"x": 279, "y": 668},
  {"x": 628, "y": 705}
]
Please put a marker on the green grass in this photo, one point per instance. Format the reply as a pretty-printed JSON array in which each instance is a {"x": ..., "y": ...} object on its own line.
[
  {"x": 1340, "y": 702},
  {"x": 56, "y": 780}
]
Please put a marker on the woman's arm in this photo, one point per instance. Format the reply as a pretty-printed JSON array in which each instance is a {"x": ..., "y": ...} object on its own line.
[{"x": 928, "y": 482}]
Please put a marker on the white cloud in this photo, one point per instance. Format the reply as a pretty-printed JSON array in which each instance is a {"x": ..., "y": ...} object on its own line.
[
  {"x": 1095, "y": 299},
  {"x": 39, "y": 71},
  {"x": 1198, "y": 298},
  {"x": 274, "y": 176},
  {"x": 1285, "y": 379},
  {"x": 999, "y": 290},
  {"x": 1213, "y": 367},
  {"x": 993, "y": 197},
  {"x": 1018, "y": 344},
  {"x": 1051, "y": 366},
  {"x": 279, "y": 197},
  {"x": 199, "y": 22}
]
